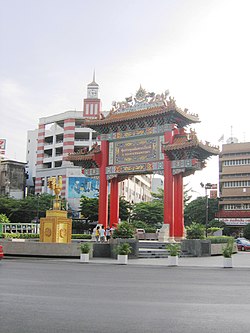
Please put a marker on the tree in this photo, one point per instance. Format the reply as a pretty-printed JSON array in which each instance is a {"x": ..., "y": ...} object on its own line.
[
  {"x": 7, "y": 205},
  {"x": 25, "y": 210},
  {"x": 148, "y": 212},
  {"x": 195, "y": 211},
  {"x": 246, "y": 231},
  {"x": 125, "y": 208},
  {"x": 89, "y": 208}
]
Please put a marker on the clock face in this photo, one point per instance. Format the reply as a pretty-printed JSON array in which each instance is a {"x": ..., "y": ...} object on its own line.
[{"x": 93, "y": 93}]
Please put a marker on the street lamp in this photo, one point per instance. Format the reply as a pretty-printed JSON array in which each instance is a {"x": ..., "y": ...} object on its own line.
[
  {"x": 38, "y": 203},
  {"x": 207, "y": 186}
]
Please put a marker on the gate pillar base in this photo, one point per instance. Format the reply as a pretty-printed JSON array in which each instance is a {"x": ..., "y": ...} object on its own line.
[
  {"x": 172, "y": 240},
  {"x": 163, "y": 235}
]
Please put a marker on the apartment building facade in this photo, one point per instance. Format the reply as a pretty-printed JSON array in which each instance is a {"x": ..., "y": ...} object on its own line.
[
  {"x": 234, "y": 185},
  {"x": 12, "y": 178}
]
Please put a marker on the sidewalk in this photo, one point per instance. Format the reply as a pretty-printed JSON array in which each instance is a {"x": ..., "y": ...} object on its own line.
[{"x": 240, "y": 260}]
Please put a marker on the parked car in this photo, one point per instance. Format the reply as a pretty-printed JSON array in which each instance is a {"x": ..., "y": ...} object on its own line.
[
  {"x": 243, "y": 244},
  {"x": 1, "y": 252}
]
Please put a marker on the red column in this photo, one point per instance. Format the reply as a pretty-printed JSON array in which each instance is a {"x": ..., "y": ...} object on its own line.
[
  {"x": 168, "y": 189},
  {"x": 114, "y": 202},
  {"x": 103, "y": 190},
  {"x": 168, "y": 196},
  {"x": 178, "y": 207}
]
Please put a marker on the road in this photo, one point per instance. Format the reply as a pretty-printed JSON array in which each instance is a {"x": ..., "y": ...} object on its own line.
[{"x": 48, "y": 295}]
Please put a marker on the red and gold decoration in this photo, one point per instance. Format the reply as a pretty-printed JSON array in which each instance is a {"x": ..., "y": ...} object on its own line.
[{"x": 146, "y": 133}]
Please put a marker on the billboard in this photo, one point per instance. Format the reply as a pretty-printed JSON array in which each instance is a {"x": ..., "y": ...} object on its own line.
[
  {"x": 2, "y": 146},
  {"x": 79, "y": 186}
]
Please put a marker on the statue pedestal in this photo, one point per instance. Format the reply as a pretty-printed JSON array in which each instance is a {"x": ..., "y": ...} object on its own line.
[{"x": 55, "y": 227}]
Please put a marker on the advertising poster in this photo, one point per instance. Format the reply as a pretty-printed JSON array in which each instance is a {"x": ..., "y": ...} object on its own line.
[
  {"x": 79, "y": 186},
  {"x": 2, "y": 146}
]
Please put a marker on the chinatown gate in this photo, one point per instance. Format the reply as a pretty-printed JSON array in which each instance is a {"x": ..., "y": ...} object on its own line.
[{"x": 145, "y": 135}]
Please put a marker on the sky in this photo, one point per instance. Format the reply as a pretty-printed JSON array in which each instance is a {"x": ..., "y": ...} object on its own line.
[{"x": 198, "y": 50}]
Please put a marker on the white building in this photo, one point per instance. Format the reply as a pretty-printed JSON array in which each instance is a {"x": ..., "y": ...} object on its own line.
[
  {"x": 157, "y": 183},
  {"x": 61, "y": 134},
  {"x": 136, "y": 188}
]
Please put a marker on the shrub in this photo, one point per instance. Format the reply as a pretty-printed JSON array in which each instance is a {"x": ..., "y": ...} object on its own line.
[
  {"x": 219, "y": 239},
  {"x": 150, "y": 230},
  {"x": 195, "y": 231},
  {"x": 174, "y": 249},
  {"x": 139, "y": 224},
  {"x": 4, "y": 218},
  {"x": 211, "y": 230},
  {"x": 81, "y": 236},
  {"x": 227, "y": 251},
  {"x": 85, "y": 247},
  {"x": 123, "y": 249},
  {"x": 18, "y": 235},
  {"x": 10, "y": 235},
  {"x": 124, "y": 230}
]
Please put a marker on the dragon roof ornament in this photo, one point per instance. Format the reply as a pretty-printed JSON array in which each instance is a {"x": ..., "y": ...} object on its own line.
[
  {"x": 146, "y": 100},
  {"x": 141, "y": 100}
]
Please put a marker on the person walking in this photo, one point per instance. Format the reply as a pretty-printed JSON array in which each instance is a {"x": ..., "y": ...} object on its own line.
[
  {"x": 102, "y": 234},
  {"x": 108, "y": 234},
  {"x": 97, "y": 233}
]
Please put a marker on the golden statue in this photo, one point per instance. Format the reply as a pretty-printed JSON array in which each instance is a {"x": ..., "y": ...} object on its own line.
[
  {"x": 56, "y": 187},
  {"x": 55, "y": 227}
]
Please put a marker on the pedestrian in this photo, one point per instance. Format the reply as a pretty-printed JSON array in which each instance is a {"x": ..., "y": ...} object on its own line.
[
  {"x": 102, "y": 234},
  {"x": 112, "y": 229},
  {"x": 97, "y": 233},
  {"x": 108, "y": 234}
]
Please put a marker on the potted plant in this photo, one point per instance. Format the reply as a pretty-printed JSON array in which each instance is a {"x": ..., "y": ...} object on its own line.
[
  {"x": 85, "y": 249},
  {"x": 123, "y": 251},
  {"x": 174, "y": 250},
  {"x": 227, "y": 252}
]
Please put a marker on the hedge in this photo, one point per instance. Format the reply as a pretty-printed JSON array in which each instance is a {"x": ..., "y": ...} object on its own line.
[
  {"x": 81, "y": 236},
  {"x": 32, "y": 236},
  {"x": 219, "y": 239}
]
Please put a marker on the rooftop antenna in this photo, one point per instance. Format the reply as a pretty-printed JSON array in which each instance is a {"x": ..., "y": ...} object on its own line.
[{"x": 231, "y": 134}]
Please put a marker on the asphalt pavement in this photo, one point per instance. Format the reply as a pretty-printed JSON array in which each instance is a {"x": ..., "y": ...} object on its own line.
[
  {"x": 42, "y": 295},
  {"x": 240, "y": 260}
]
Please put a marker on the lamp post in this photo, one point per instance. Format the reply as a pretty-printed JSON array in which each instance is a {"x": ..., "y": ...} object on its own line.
[
  {"x": 38, "y": 204},
  {"x": 207, "y": 186}
]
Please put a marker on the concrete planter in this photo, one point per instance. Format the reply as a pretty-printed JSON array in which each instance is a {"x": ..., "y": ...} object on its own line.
[
  {"x": 84, "y": 257},
  {"x": 132, "y": 242},
  {"x": 122, "y": 259},
  {"x": 196, "y": 247},
  {"x": 217, "y": 249},
  {"x": 227, "y": 262},
  {"x": 173, "y": 260},
  {"x": 150, "y": 236}
]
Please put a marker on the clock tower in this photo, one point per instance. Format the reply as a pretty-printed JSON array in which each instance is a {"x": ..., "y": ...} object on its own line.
[{"x": 92, "y": 104}]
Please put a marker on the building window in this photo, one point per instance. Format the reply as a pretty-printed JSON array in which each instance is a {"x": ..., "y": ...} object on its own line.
[
  {"x": 243, "y": 183},
  {"x": 236, "y": 162}
]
